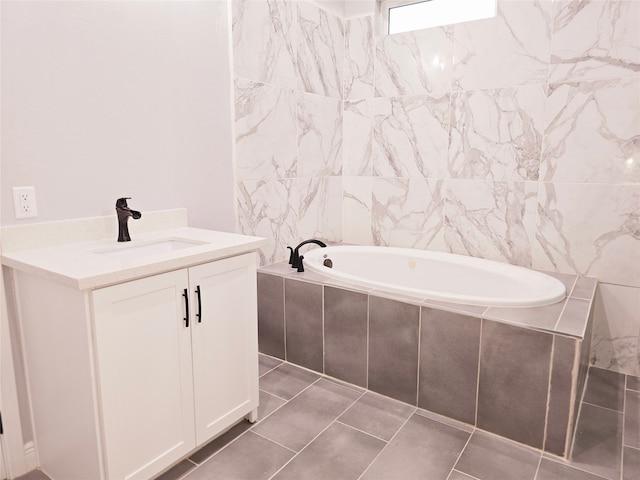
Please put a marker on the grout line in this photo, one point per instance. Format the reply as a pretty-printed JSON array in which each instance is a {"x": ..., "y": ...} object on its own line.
[
  {"x": 465, "y": 474},
  {"x": 284, "y": 317},
  {"x": 548, "y": 405},
  {"x": 624, "y": 410},
  {"x": 324, "y": 348},
  {"x": 314, "y": 438},
  {"x": 269, "y": 371},
  {"x": 386, "y": 446},
  {"x": 273, "y": 441},
  {"x": 475, "y": 413},
  {"x": 604, "y": 408},
  {"x": 274, "y": 395},
  {"x": 539, "y": 463},
  {"x": 564, "y": 307},
  {"x": 568, "y": 463},
  {"x": 460, "y": 454},
  {"x": 575, "y": 427},
  {"x": 419, "y": 351},
  {"x": 359, "y": 430},
  {"x": 368, "y": 340},
  {"x": 221, "y": 448},
  {"x": 188, "y": 472},
  {"x": 273, "y": 411}
]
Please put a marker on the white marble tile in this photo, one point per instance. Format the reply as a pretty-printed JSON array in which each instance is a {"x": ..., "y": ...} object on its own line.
[
  {"x": 266, "y": 145},
  {"x": 595, "y": 39},
  {"x": 320, "y": 52},
  {"x": 615, "y": 343},
  {"x": 264, "y": 46},
  {"x": 269, "y": 208},
  {"x": 319, "y": 121},
  {"x": 493, "y": 220},
  {"x": 591, "y": 229},
  {"x": 408, "y": 212},
  {"x": 497, "y": 134},
  {"x": 320, "y": 211},
  {"x": 358, "y": 58},
  {"x": 357, "y": 156},
  {"x": 356, "y": 214},
  {"x": 411, "y": 136},
  {"x": 592, "y": 132},
  {"x": 414, "y": 63},
  {"x": 509, "y": 49}
]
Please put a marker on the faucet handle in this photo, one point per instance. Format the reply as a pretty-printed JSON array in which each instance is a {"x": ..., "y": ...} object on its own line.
[{"x": 122, "y": 202}]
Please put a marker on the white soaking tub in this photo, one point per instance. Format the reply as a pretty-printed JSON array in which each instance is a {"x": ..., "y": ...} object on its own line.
[{"x": 437, "y": 275}]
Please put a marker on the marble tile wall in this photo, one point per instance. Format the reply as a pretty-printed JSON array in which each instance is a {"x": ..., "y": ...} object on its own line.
[
  {"x": 515, "y": 138},
  {"x": 288, "y": 69}
]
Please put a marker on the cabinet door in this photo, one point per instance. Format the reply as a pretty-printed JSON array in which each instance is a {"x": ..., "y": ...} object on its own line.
[
  {"x": 143, "y": 350},
  {"x": 225, "y": 343}
]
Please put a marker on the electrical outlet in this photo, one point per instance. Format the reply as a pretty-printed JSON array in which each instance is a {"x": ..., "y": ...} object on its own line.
[{"x": 24, "y": 202}]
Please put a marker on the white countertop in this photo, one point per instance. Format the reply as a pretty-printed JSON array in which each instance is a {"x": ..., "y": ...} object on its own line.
[{"x": 83, "y": 266}]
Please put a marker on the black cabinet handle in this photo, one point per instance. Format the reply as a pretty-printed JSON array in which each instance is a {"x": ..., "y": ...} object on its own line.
[
  {"x": 185, "y": 294},
  {"x": 199, "y": 314}
]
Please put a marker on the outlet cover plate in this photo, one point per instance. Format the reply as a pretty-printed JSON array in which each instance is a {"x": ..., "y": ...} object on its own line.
[{"x": 24, "y": 202}]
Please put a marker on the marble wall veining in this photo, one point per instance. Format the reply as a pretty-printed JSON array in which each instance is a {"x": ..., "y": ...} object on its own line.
[{"x": 515, "y": 138}]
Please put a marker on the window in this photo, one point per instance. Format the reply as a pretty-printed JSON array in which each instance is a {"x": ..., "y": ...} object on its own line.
[{"x": 406, "y": 15}]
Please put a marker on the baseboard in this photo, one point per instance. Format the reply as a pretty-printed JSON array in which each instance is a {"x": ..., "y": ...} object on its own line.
[{"x": 30, "y": 458}]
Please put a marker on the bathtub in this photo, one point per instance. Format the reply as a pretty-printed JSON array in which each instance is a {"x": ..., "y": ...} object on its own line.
[{"x": 437, "y": 276}]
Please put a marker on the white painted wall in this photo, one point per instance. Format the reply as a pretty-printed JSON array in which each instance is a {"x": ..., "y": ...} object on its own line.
[{"x": 108, "y": 99}]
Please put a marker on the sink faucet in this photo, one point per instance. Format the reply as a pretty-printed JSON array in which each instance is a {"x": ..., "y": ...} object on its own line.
[
  {"x": 124, "y": 212},
  {"x": 295, "y": 259}
]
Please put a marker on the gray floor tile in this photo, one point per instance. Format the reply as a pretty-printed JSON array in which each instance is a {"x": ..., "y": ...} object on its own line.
[
  {"x": 249, "y": 457},
  {"x": 488, "y": 457},
  {"x": 268, "y": 404},
  {"x": 551, "y": 470},
  {"x": 605, "y": 389},
  {"x": 299, "y": 421},
  {"x": 177, "y": 471},
  {"x": 633, "y": 383},
  {"x": 266, "y": 364},
  {"x": 598, "y": 441},
  {"x": 377, "y": 415},
  {"x": 631, "y": 464},
  {"x": 339, "y": 453},
  {"x": 286, "y": 381},
  {"x": 422, "y": 449},
  {"x": 212, "y": 447},
  {"x": 632, "y": 419}
]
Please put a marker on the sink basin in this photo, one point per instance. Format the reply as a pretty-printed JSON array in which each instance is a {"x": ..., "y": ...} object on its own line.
[{"x": 133, "y": 251}]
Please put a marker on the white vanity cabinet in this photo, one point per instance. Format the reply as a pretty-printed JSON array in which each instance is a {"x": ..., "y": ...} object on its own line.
[{"x": 124, "y": 382}]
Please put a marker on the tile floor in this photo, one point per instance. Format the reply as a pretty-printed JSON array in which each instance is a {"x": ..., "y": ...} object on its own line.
[{"x": 311, "y": 427}]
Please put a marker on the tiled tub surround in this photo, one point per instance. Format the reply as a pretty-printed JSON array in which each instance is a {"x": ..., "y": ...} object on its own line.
[
  {"x": 509, "y": 138},
  {"x": 516, "y": 372}
]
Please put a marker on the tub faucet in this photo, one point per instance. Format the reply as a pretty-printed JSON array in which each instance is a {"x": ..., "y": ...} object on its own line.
[
  {"x": 124, "y": 212},
  {"x": 295, "y": 259}
]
